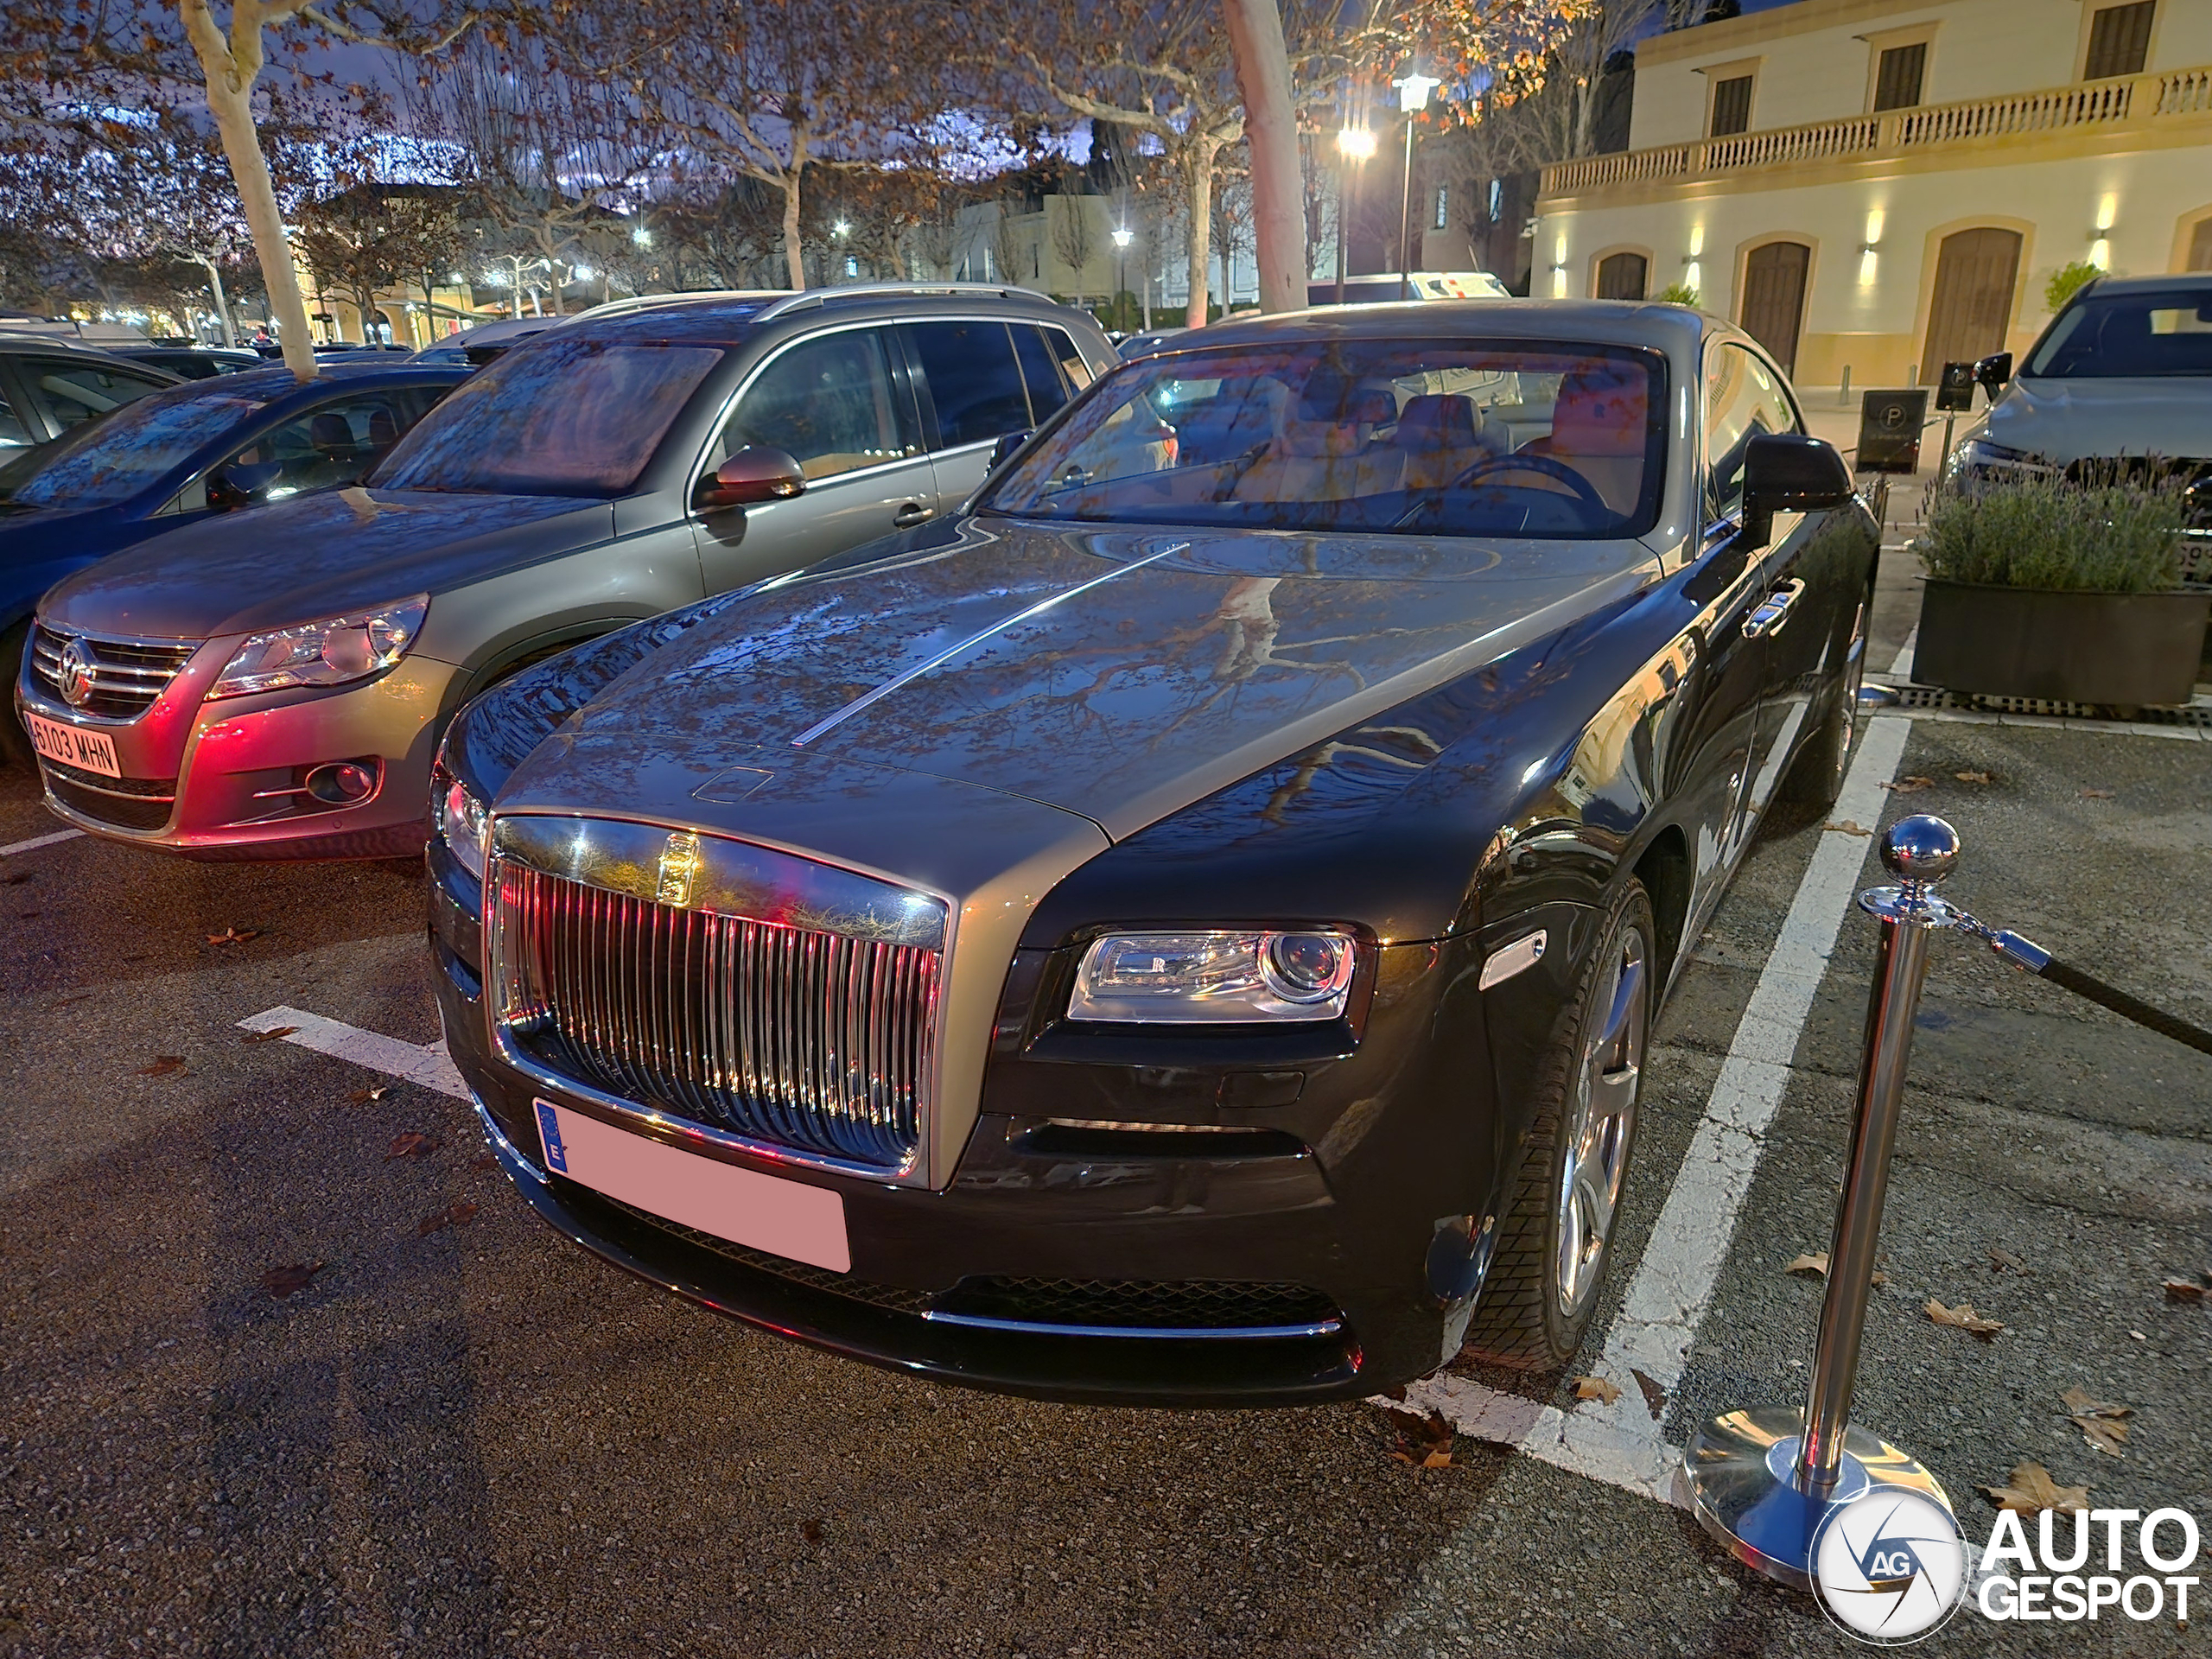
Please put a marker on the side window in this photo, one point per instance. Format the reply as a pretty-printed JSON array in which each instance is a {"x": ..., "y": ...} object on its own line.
[
  {"x": 1047, "y": 391},
  {"x": 1742, "y": 395},
  {"x": 320, "y": 448},
  {"x": 15, "y": 431},
  {"x": 74, "y": 393},
  {"x": 1070, "y": 359},
  {"x": 827, "y": 401},
  {"x": 974, "y": 380}
]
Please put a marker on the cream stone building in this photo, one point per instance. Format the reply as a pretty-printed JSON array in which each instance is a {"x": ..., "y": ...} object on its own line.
[{"x": 1883, "y": 186}]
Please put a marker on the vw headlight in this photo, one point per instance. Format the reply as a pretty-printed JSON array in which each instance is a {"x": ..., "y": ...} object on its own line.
[
  {"x": 464, "y": 821},
  {"x": 1214, "y": 977},
  {"x": 330, "y": 652}
]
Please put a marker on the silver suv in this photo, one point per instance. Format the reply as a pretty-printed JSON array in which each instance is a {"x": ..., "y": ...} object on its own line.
[{"x": 274, "y": 684}]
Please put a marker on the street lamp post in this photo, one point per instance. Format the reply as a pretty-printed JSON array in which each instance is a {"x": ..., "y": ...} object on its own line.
[
  {"x": 1354, "y": 145},
  {"x": 1413, "y": 98},
  {"x": 1123, "y": 237}
]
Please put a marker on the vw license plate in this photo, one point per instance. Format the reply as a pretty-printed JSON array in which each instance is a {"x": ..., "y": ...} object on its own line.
[
  {"x": 74, "y": 746},
  {"x": 787, "y": 1218}
]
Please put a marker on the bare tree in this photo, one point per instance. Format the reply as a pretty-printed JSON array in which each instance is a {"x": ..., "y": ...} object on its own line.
[
  {"x": 1008, "y": 246},
  {"x": 373, "y": 236},
  {"x": 1074, "y": 238},
  {"x": 778, "y": 90}
]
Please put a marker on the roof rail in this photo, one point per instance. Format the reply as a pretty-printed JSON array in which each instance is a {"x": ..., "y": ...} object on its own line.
[
  {"x": 811, "y": 297},
  {"x": 633, "y": 303}
]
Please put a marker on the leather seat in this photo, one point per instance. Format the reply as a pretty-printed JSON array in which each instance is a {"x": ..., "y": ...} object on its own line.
[
  {"x": 1328, "y": 453},
  {"x": 1600, "y": 427},
  {"x": 331, "y": 435},
  {"x": 1441, "y": 434},
  {"x": 384, "y": 429}
]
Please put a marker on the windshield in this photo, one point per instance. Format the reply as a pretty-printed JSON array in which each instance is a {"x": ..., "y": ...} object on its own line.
[
  {"x": 562, "y": 417},
  {"x": 105, "y": 463},
  {"x": 1440, "y": 437},
  {"x": 2110, "y": 336}
]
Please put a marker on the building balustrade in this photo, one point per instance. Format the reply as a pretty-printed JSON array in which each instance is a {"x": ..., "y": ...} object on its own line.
[{"x": 2093, "y": 104}]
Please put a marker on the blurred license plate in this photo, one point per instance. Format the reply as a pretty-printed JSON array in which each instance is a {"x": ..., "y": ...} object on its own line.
[
  {"x": 74, "y": 746},
  {"x": 786, "y": 1218}
]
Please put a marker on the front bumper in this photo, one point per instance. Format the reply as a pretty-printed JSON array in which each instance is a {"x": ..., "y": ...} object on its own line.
[
  {"x": 1342, "y": 1177},
  {"x": 226, "y": 779}
]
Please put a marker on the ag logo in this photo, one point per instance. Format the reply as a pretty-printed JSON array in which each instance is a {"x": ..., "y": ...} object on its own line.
[{"x": 1888, "y": 1566}]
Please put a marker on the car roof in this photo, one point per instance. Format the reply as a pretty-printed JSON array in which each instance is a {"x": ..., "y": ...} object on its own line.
[
  {"x": 2164, "y": 284},
  {"x": 276, "y": 385},
  {"x": 726, "y": 318},
  {"x": 1627, "y": 322},
  {"x": 62, "y": 346}
]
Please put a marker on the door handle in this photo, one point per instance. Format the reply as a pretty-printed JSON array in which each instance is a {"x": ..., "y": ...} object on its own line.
[
  {"x": 1773, "y": 611},
  {"x": 912, "y": 514}
]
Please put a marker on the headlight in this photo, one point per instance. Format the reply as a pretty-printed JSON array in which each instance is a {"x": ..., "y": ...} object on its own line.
[
  {"x": 1214, "y": 977},
  {"x": 330, "y": 652},
  {"x": 463, "y": 820}
]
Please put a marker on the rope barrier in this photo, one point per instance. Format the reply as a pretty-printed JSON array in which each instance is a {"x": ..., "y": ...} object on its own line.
[{"x": 2026, "y": 954}]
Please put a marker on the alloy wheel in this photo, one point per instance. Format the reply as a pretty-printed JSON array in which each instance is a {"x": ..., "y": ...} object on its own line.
[{"x": 1601, "y": 1120}]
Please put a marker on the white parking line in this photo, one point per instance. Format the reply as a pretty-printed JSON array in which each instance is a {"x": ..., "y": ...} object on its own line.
[
  {"x": 37, "y": 842},
  {"x": 429, "y": 1064},
  {"x": 1621, "y": 1443}
]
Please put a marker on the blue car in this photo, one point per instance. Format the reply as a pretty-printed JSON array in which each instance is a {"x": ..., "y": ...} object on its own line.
[{"x": 180, "y": 454}]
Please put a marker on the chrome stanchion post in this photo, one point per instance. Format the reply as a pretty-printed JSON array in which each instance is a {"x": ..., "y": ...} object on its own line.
[{"x": 1762, "y": 1480}]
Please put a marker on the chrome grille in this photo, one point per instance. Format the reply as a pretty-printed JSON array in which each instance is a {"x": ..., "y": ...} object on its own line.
[
  {"x": 127, "y": 675},
  {"x": 759, "y": 1025}
]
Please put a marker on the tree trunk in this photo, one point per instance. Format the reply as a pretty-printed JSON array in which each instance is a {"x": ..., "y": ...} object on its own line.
[
  {"x": 1198, "y": 180},
  {"x": 794, "y": 261},
  {"x": 222, "y": 305},
  {"x": 233, "y": 108},
  {"x": 1271, "y": 131}
]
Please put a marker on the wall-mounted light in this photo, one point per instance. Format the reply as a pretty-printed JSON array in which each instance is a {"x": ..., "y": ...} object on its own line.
[{"x": 1697, "y": 243}]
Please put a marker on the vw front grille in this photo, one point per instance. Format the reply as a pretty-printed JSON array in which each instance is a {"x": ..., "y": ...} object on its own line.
[
  {"x": 125, "y": 676},
  {"x": 748, "y": 991}
]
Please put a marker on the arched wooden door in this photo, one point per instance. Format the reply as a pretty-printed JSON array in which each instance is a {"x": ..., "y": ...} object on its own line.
[
  {"x": 1972, "y": 308},
  {"x": 1622, "y": 276},
  {"x": 1774, "y": 298}
]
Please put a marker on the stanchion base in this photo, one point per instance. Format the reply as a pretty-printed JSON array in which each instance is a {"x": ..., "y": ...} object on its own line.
[{"x": 1740, "y": 1473}]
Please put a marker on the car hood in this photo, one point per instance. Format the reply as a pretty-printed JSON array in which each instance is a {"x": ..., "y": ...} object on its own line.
[
  {"x": 320, "y": 556},
  {"x": 1117, "y": 675},
  {"x": 2074, "y": 420}
]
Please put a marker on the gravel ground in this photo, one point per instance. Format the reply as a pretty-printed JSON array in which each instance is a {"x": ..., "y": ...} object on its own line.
[{"x": 476, "y": 1439}]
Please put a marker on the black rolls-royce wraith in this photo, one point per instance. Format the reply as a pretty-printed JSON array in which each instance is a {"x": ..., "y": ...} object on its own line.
[{"x": 1185, "y": 927}]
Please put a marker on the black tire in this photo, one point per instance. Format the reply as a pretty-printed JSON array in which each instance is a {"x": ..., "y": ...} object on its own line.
[
  {"x": 1815, "y": 777},
  {"x": 15, "y": 741},
  {"x": 1526, "y": 1319}
]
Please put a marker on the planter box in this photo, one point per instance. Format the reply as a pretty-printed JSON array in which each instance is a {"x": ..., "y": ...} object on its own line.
[{"x": 2128, "y": 649}]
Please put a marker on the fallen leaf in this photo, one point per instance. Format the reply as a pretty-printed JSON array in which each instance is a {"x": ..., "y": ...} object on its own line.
[
  {"x": 1849, "y": 827},
  {"x": 1911, "y": 785},
  {"x": 163, "y": 1065},
  {"x": 1877, "y": 1278},
  {"x": 484, "y": 1161},
  {"x": 1655, "y": 1398},
  {"x": 16, "y": 880},
  {"x": 1424, "y": 1439},
  {"x": 233, "y": 936},
  {"x": 280, "y": 1282},
  {"x": 459, "y": 1213},
  {"x": 2184, "y": 1290},
  {"x": 413, "y": 1144},
  {"x": 810, "y": 1529},
  {"x": 2029, "y": 1491},
  {"x": 1963, "y": 1317},
  {"x": 2078, "y": 1401},
  {"x": 269, "y": 1036},
  {"x": 1596, "y": 1388},
  {"x": 1975, "y": 776},
  {"x": 2000, "y": 1259},
  {"x": 362, "y": 1096},
  {"x": 2103, "y": 1434},
  {"x": 1814, "y": 1262},
  {"x": 2096, "y": 794}
]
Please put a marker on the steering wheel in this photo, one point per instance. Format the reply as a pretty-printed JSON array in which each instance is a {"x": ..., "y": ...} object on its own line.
[{"x": 1578, "y": 486}]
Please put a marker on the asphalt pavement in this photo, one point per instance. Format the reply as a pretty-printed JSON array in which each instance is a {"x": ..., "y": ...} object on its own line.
[{"x": 460, "y": 1435}]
